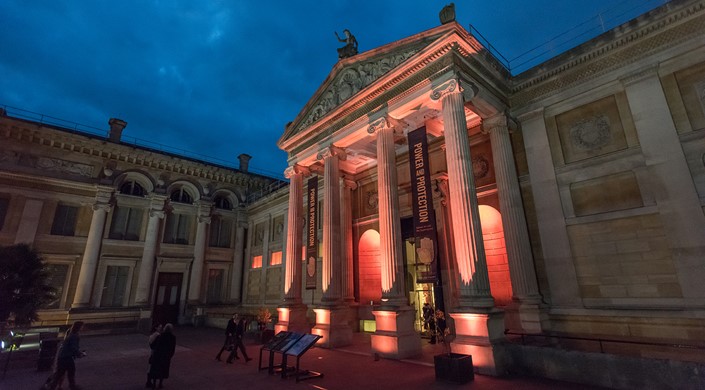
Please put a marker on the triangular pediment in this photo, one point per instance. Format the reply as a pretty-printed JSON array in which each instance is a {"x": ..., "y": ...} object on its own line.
[{"x": 352, "y": 75}]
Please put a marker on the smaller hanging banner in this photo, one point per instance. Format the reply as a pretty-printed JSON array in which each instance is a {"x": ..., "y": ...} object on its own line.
[
  {"x": 422, "y": 199},
  {"x": 312, "y": 233}
]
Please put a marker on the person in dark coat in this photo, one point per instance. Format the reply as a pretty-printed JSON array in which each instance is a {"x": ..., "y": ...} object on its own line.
[
  {"x": 156, "y": 331},
  {"x": 229, "y": 336},
  {"x": 162, "y": 351},
  {"x": 68, "y": 351},
  {"x": 239, "y": 333}
]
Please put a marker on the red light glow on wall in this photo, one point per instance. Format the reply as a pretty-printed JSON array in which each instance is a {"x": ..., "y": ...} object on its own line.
[
  {"x": 283, "y": 319},
  {"x": 370, "y": 267},
  {"x": 496, "y": 254}
]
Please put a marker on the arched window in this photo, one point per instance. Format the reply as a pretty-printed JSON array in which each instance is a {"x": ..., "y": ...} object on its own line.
[
  {"x": 132, "y": 188},
  {"x": 180, "y": 195},
  {"x": 223, "y": 203}
]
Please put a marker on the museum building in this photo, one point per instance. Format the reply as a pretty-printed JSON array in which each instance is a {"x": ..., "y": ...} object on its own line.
[
  {"x": 566, "y": 200},
  {"x": 552, "y": 218}
]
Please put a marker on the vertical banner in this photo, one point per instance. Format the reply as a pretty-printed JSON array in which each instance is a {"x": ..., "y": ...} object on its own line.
[
  {"x": 422, "y": 199},
  {"x": 312, "y": 233}
]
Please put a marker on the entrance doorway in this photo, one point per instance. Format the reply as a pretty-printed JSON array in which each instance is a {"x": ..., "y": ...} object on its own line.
[
  {"x": 166, "y": 305},
  {"x": 424, "y": 296}
]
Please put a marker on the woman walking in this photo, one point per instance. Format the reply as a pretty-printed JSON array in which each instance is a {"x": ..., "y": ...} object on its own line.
[
  {"x": 68, "y": 351},
  {"x": 162, "y": 351}
]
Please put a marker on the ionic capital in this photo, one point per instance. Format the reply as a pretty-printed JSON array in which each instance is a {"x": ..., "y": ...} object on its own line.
[
  {"x": 296, "y": 169},
  {"x": 496, "y": 123},
  {"x": 156, "y": 214},
  {"x": 101, "y": 206},
  {"x": 331, "y": 151},
  {"x": 347, "y": 183},
  {"x": 449, "y": 87},
  {"x": 387, "y": 122}
]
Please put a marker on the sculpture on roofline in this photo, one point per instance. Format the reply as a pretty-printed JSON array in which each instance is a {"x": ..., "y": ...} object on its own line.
[
  {"x": 447, "y": 14},
  {"x": 350, "y": 48}
]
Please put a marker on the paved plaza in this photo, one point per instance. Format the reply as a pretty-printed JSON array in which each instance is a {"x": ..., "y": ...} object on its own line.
[{"x": 120, "y": 362}]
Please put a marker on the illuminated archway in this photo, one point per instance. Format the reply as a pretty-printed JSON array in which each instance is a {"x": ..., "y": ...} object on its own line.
[
  {"x": 370, "y": 271},
  {"x": 496, "y": 253}
]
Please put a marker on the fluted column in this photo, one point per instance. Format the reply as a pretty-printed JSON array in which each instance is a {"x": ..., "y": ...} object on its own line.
[
  {"x": 523, "y": 276},
  {"x": 86, "y": 276},
  {"x": 451, "y": 293},
  {"x": 144, "y": 278},
  {"x": 467, "y": 233},
  {"x": 294, "y": 235},
  {"x": 348, "y": 287},
  {"x": 389, "y": 222},
  {"x": 238, "y": 258},
  {"x": 292, "y": 313},
  {"x": 199, "y": 251},
  {"x": 331, "y": 269}
]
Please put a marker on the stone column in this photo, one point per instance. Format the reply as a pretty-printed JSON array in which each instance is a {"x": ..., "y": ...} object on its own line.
[
  {"x": 562, "y": 279},
  {"x": 332, "y": 317},
  {"x": 670, "y": 182},
  {"x": 89, "y": 264},
  {"x": 479, "y": 326},
  {"x": 292, "y": 312},
  {"x": 346, "y": 188},
  {"x": 467, "y": 233},
  {"x": 395, "y": 336},
  {"x": 203, "y": 214},
  {"x": 238, "y": 259},
  {"x": 516, "y": 235},
  {"x": 450, "y": 279},
  {"x": 144, "y": 278}
]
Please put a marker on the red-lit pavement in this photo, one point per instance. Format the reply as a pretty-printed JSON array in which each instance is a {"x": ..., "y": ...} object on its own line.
[{"x": 120, "y": 362}]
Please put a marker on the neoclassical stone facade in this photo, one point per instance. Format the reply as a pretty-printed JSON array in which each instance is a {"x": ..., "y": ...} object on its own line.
[
  {"x": 129, "y": 234},
  {"x": 568, "y": 199}
]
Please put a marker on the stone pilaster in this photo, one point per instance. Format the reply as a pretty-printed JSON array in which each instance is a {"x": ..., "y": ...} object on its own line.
[
  {"x": 346, "y": 188},
  {"x": 395, "y": 336},
  {"x": 203, "y": 215},
  {"x": 670, "y": 181},
  {"x": 145, "y": 277},
  {"x": 292, "y": 313},
  {"x": 557, "y": 254},
  {"x": 521, "y": 264},
  {"x": 89, "y": 264},
  {"x": 238, "y": 259}
]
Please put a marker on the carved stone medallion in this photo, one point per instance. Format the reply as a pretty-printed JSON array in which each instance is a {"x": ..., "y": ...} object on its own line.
[{"x": 591, "y": 133}]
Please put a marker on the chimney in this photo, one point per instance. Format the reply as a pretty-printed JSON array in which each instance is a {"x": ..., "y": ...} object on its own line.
[
  {"x": 116, "y": 128},
  {"x": 244, "y": 161}
]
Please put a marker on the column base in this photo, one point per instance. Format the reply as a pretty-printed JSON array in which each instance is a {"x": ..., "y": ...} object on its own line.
[
  {"x": 395, "y": 337},
  {"x": 292, "y": 318},
  {"x": 332, "y": 324},
  {"x": 481, "y": 335},
  {"x": 527, "y": 317}
]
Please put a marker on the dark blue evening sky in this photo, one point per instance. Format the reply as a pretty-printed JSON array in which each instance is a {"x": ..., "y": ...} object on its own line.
[{"x": 221, "y": 78}]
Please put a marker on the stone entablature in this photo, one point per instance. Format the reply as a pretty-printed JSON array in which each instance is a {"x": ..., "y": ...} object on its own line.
[
  {"x": 111, "y": 154},
  {"x": 657, "y": 30}
]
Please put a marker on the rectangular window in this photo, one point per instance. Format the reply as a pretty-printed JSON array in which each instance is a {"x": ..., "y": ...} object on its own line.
[
  {"x": 221, "y": 231},
  {"x": 56, "y": 278},
  {"x": 276, "y": 258},
  {"x": 114, "y": 286},
  {"x": 257, "y": 261},
  {"x": 4, "y": 204},
  {"x": 64, "y": 220},
  {"x": 126, "y": 224},
  {"x": 215, "y": 286},
  {"x": 176, "y": 230}
]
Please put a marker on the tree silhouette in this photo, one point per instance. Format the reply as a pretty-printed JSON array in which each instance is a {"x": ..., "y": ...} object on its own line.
[{"x": 24, "y": 284}]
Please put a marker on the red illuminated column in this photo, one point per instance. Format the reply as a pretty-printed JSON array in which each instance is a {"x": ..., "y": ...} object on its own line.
[
  {"x": 199, "y": 251},
  {"x": 346, "y": 188},
  {"x": 331, "y": 269},
  {"x": 292, "y": 313},
  {"x": 521, "y": 268},
  {"x": 389, "y": 225},
  {"x": 86, "y": 276},
  {"x": 467, "y": 234},
  {"x": 144, "y": 278},
  {"x": 294, "y": 235}
]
